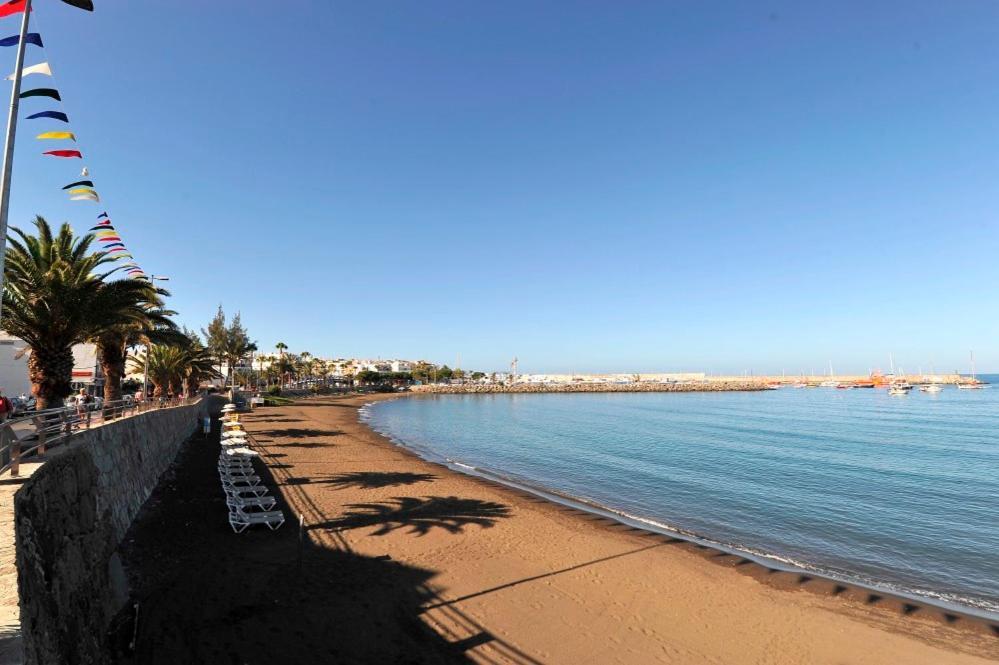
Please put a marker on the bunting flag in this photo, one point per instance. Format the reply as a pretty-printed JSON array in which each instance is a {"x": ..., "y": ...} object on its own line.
[
  {"x": 12, "y": 7},
  {"x": 82, "y": 4},
  {"x": 82, "y": 190},
  {"x": 30, "y": 38},
  {"x": 55, "y": 115},
  {"x": 78, "y": 183},
  {"x": 114, "y": 244},
  {"x": 103, "y": 214},
  {"x": 84, "y": 173},
  {"x": 41, "y": 68},
  {"x": 101, "y": 234},
  {"x": 64, "y": 153},
  {"x": 112, "y": 241},
  {"x": 106, "y": 224},
  {"x": 57, "y": 135},
  {"x": 86, "y": 197},
  {"x": 42, "y": 92}
]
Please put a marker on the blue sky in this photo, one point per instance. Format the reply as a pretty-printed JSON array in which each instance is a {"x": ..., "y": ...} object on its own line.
[{"x": 587, "y": 186}]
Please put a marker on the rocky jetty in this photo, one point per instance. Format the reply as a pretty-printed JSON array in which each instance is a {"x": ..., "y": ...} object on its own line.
[{"x": 643, "y": 387}]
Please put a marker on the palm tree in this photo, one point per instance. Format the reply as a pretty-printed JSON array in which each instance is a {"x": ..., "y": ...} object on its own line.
[
  {"x": 112, "y": 343},
  {"x": 199, "y": 366},
  {"x": 165, "y": 366},
  {"x": 281, "y": 347},
  {"x": 54, "y": 297}
]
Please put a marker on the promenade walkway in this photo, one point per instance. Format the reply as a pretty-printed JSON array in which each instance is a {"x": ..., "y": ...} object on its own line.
[{"x": 10, "y": 624}]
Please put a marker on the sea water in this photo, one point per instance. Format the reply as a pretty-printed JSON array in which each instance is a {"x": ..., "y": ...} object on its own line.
[{"x": 901, "y": 493}]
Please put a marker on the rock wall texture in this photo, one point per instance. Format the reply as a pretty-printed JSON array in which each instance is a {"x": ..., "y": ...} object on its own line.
[
  {"x": 711, "y": 386},
  {"x": 70, "y": 517}
]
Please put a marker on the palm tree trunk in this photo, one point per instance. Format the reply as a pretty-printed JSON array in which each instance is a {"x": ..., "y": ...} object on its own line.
[
  {"x": 157, "y": 388},
  {"x": 51, "y": 373},
  {"x": 112, "y": 352}
]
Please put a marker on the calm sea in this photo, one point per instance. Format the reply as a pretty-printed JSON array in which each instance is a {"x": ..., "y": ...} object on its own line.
[{"x": 896, "y": 492}]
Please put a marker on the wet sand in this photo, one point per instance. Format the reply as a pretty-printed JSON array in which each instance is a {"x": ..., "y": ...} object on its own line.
[{"x": 403, "y": 560}]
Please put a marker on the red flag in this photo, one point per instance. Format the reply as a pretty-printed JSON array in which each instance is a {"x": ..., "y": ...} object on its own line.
[
  {"x": 64, "y": 153},
  {"x": 12, "y": 7}
]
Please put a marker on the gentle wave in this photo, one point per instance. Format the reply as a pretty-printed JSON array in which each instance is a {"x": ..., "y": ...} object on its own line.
[{"x": 774, "y": 558}]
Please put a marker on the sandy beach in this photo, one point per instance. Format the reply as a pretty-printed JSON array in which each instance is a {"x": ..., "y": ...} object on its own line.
[{"x": 403, "y": 560}]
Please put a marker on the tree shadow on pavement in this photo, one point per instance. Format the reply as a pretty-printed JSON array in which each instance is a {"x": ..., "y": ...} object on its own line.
[{"x": 450, "y": 513}]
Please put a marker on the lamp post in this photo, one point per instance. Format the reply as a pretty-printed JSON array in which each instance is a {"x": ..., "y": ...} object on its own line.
[
  {"x": 8, "y": 150},
  {"x": 145, "y": 365}
]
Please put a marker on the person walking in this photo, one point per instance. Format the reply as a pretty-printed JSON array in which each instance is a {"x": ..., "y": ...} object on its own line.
[{"x": 6, "y": 407}]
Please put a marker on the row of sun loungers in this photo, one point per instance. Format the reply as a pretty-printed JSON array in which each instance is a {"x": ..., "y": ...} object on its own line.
[{"x": 248, "y": 500}]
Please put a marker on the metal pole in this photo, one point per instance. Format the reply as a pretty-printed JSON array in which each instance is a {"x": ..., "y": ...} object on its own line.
[
  {"x": 145, "y": 374},
  {"x": 8, "y": 149}
]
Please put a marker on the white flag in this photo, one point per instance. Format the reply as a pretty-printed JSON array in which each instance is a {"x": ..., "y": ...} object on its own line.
[
  {"x": 85, "y": 197},
  {"x": 84, "y": 172},
  {"x": 40, "y": 68}
]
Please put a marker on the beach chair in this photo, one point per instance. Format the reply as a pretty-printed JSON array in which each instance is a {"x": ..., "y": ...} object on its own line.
[
  {"x": 251, "y": 479},
  {"x": 235, "y": 464},
  {"x": 246, "y": 490},
  {"x": 249, "y": 503},
  {"x": 240, "y": 520},
  {"x": 241, "y": 452}
]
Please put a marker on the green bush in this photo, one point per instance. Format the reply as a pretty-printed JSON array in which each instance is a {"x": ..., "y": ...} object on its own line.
[{"x": 274, "y": 390}]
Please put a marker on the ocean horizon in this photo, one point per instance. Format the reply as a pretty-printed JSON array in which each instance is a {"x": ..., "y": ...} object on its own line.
[{"x": 889, "y": 492}]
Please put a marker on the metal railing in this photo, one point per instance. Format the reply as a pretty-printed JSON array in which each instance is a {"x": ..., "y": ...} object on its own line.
[{"x": 32, "y": 434}]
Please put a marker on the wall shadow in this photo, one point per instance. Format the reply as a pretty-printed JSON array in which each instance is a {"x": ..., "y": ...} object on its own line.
[
  {"x": 419, "y": 515},
  {"x": 377, "y": 479},
  {"x": 208, "y": 595}
]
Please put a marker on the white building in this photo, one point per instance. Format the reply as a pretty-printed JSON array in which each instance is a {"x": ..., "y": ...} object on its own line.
[{"x": 14, "y": 366}]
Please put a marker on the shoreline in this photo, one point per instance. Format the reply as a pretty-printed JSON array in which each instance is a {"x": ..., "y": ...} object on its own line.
[
  {"x": 768, "y": 560},
  {"x": 830, "y": 621}
]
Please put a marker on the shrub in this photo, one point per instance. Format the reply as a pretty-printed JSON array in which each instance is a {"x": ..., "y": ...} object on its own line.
[{"x": 274, "y": 390}]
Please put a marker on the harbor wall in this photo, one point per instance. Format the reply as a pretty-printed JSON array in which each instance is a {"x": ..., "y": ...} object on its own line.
[
  {"x": 70, "y": 517},
  {"x": 636, "y": 387}
]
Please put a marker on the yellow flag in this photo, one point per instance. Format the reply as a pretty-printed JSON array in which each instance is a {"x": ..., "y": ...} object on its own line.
[
  {"x": 57, "y": 135},
  {"x": 82, "y": 190}
]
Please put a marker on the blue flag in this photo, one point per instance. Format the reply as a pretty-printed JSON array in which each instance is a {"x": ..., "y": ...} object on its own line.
[
  {"x": 30, "y": 38},
  {"x": 55, "y": 115}
]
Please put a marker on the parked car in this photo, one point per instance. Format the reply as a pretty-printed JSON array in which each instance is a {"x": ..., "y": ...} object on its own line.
[{"x": 22, "y": 404}]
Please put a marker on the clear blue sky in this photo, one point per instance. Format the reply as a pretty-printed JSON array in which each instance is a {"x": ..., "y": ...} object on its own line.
[{"x": 588, "y": 186}]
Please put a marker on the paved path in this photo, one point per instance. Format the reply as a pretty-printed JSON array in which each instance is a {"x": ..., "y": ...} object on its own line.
[{"x": 10, "y": 625}]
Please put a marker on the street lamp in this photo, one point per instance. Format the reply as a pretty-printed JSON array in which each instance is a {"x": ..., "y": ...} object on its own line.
[{"x": 145, "y": 365}]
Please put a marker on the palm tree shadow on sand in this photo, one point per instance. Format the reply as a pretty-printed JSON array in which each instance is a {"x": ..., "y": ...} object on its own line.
[
  {"x": 420, "y": 515},
  {"x": 377, "y": 479}
]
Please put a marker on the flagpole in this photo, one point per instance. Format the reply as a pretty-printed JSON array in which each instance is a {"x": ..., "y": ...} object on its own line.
[{"x": 8, "y": 149}]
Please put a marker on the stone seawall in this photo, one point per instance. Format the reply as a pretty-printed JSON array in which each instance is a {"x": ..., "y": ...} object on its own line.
[
  {"x": 712, "y": 386},
  {"x": 70, "y": 517}
]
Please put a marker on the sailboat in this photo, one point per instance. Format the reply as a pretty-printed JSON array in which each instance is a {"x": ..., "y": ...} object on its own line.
[
  {"x": 898, "y": 385},
  {"x": 974, "y": 385},
  {"x": 830, "y": 383}
]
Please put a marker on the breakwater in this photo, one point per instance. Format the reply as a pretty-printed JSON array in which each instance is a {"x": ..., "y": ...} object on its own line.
[{"x": 643, "y": 387}]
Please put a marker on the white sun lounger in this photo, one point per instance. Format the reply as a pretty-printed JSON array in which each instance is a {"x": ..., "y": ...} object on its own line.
[
  {"x": 242, "y": 452},
  {"x": 251, "y": 480},
  {"x": 255, "y": 490},
  {"x": 239, "y": 520},
  {"x": 247, "y": 504}
]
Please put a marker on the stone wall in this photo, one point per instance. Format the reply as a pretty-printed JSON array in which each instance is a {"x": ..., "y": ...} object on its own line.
[
  {"x": 712, "y": 386},
  {"x": 70, "y": 517}
]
